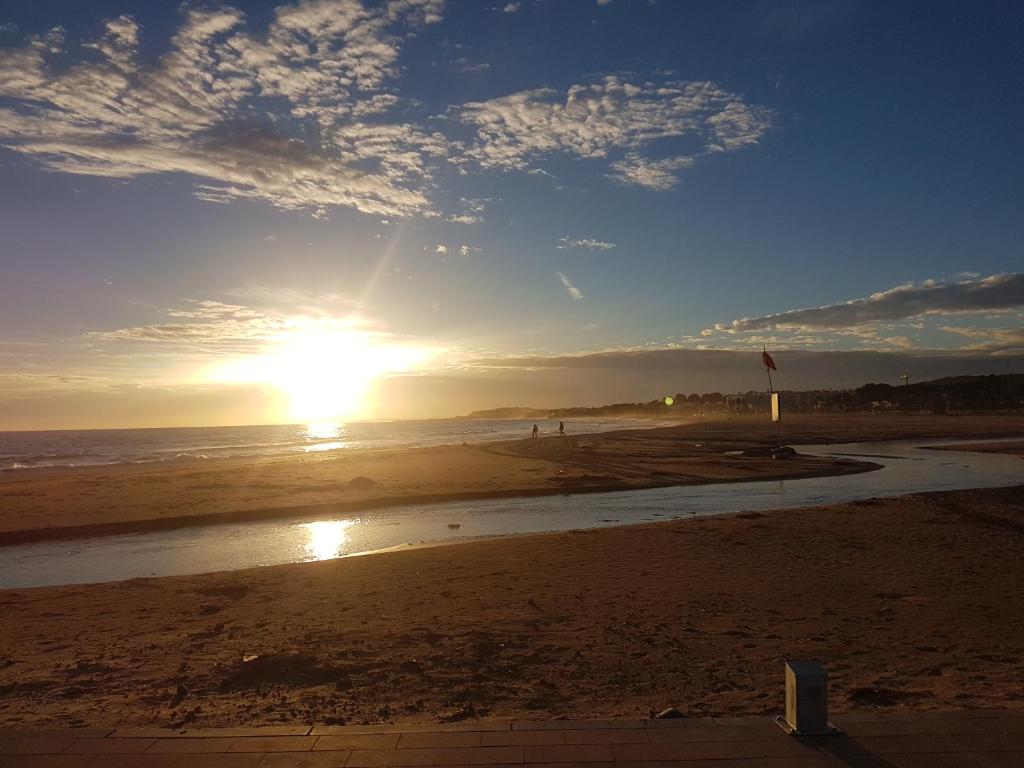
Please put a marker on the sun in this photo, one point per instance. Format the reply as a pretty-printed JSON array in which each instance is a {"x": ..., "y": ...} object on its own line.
[
  {"x": 325, "y": 373},
  {"x": 325, "y": 367}
]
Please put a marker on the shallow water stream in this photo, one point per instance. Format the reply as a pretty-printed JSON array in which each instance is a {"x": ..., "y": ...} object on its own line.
[{"x": 907, "y": 468}]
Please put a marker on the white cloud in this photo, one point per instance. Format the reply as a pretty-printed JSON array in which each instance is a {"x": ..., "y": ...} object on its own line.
[
  {"x": 1005, "y": 340},
  {"x": 472, "y": 212},
  {"x": 205, "y": 324},
  {"x": 574, "y": 293},
  {"x": 327, "y": 70},
  {"x": 512, "y": 7},
  {"x": 441, "y": 249},
  {"x": 585, "y": 242},
  {"x": 468, "y": 250},
  {"x": 194, "y": 111},
  {"x": 612, "y": 118},
  {"x": 994, "y": 293},
  {"x": 212, "y": 328},
  {"x": 658, "y": 175}
]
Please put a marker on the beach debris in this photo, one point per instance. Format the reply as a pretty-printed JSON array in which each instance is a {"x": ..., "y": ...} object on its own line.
[
  {"x": 246, "y": 658},
  {"x": 785, "y": 452},
  {"x": 669, "y": 714},
  {"x": 178, "y": 697},
  {"x": 455, "y": 526},
  {"x": 361, "y": 483}
]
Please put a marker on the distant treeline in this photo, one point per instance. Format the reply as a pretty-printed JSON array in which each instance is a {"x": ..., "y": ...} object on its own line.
[{"x": 955, "y": 394}]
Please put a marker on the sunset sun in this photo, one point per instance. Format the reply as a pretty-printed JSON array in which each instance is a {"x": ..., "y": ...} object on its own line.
[
  {"x": 328, "y": 373},
  {"x": 325, "y": 368}
]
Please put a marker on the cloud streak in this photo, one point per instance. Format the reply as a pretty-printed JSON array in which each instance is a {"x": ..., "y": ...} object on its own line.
[
  {"x": 207, "y": 325},
  {"x": 1005, "y": 340},
  {"x": 574, "y": 293},
  {"x": 990, "y": 294},
  {"x": 586, "y": 242}
]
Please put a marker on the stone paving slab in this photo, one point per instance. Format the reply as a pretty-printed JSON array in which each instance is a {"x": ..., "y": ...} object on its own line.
[
  {"x": 870, "y": 739},
  {"x": 203, "y": 733},
  {"x": 476, "y": 725}
]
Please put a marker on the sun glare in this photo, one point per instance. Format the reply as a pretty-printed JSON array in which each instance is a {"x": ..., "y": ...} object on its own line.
[
  {"x": 326, "y": 538},
  {"x": 326, "y": 368}
]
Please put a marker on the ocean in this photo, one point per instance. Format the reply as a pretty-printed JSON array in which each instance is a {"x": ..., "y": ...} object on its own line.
[{"x": 93, "y": 447}]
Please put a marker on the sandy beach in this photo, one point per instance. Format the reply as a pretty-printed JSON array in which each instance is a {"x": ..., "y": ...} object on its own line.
[
  {"x": 40, "y": 504},
  {"x": 913, "y": 602}
]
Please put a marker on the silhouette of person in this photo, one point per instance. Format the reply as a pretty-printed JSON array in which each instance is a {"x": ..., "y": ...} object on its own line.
[
  {"x": 561, "y": 428},
  {"x": 535, "y": 431}
]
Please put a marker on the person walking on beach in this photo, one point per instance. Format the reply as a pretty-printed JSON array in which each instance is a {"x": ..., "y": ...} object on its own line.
[
  {"x": 561, "y": 429},
  {"x": 535, "y": 431}
]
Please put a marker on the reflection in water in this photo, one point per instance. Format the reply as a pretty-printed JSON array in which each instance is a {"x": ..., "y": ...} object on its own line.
[
  {"x": 324, "y": 431},
  {"x": 326, "y": 538},
  {"x": 334, "y": 446}
]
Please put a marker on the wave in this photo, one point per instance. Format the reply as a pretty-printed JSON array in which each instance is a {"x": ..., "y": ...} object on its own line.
[{"x": 20, "y": 451}]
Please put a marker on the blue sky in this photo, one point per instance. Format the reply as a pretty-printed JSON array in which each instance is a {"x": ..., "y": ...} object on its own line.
[{"x": 181, "y": 185}]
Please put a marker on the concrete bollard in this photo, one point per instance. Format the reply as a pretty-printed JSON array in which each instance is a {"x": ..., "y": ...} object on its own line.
[{"x": 806, "y": 700}]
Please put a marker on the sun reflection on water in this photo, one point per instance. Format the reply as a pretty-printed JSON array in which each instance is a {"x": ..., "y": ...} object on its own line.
[
  {"x": 321, "y": 447},
  {"x": 326, "y": 538},
  {"x": 324, "y": 431}
]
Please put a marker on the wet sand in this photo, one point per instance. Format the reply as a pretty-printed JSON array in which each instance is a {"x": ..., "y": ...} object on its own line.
[
  {"x": 64, "y": 503},
  {"x": 911, "y": 603},
  {"x": 1010, "y": 448}
]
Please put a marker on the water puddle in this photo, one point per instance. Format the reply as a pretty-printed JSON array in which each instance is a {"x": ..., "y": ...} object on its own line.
[{"x": 907, "y": 469}]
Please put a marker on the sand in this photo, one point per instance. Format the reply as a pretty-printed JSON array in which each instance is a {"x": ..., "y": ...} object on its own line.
[
  {"x": 60, "y": 503},
  {"x": 1009, "y": 447},
  {"x": 915, "y": 602}
]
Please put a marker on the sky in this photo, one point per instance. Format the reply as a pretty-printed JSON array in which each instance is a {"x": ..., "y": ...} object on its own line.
[{"x": 263, "y": 212}]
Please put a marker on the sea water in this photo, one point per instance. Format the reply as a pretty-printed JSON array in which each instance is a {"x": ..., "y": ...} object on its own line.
[{"x": 95, "y": 447}]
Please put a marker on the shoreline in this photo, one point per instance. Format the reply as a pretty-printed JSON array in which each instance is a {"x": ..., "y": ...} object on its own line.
[
  {"x": 65, "y": 504},
  {"x": 29, "y": 536},
  {"x": 921, "y": 615}
]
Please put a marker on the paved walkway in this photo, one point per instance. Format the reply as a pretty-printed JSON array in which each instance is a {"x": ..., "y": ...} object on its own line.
[{"x": 869, "y": 740}]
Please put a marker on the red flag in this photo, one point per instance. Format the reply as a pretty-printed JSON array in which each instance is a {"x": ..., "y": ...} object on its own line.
[{"x": 768, "y": 362}]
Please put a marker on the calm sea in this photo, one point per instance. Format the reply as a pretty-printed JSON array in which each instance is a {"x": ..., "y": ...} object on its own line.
[{"x": 91, "y": 447}]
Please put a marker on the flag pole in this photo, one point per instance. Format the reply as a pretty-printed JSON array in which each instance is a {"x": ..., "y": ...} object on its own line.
[{"x": 771, "y": 393}]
